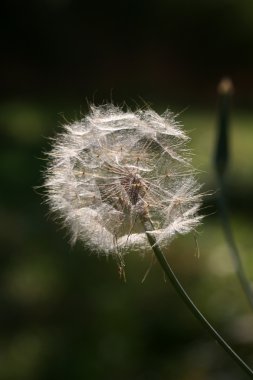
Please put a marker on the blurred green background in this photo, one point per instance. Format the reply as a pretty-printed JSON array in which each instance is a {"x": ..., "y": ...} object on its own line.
[{"x": 64, "y": 313}]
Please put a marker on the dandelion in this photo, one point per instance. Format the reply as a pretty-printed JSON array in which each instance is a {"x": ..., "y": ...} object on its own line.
[
  {"x": 123, "y": 181},
  {"x": 112, "y": 169}
]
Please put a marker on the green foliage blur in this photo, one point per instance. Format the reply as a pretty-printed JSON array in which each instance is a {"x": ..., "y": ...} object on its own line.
[{"x": 66, "y": 314}]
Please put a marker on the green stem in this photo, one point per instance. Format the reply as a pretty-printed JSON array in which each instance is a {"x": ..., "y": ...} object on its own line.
[{"x": 180, "y": 290}]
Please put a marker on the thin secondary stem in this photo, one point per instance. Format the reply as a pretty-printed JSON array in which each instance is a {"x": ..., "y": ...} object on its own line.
[
  {"x": 225, "y": 90},
  {"x": 234, "y": 252},
  {"x": 180, "y": 290}
]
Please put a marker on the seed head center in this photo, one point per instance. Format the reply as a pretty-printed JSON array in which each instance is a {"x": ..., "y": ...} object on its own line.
[{"x": 135, "y": 187}]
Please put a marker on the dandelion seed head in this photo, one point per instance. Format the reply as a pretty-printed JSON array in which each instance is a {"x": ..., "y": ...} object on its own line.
[{"x": 112, "y": 167}]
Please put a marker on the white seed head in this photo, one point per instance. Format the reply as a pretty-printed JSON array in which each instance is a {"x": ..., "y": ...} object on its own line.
[{"x": 111, "y": 168}]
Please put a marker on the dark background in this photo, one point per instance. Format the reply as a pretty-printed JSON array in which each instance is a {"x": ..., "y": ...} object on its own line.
[
  {"x": 64, "y": 313},
  {"x": 164, "y": 51}
]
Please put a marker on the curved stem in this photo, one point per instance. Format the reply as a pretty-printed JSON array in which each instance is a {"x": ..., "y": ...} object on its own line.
[{"x": 180, "y": 290}]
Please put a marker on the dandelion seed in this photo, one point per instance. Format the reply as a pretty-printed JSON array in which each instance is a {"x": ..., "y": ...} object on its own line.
[{"x": 110, "y": 169}]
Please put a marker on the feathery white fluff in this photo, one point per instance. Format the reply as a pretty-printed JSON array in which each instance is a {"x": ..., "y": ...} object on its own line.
[{"x": 108, "y": 170}]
